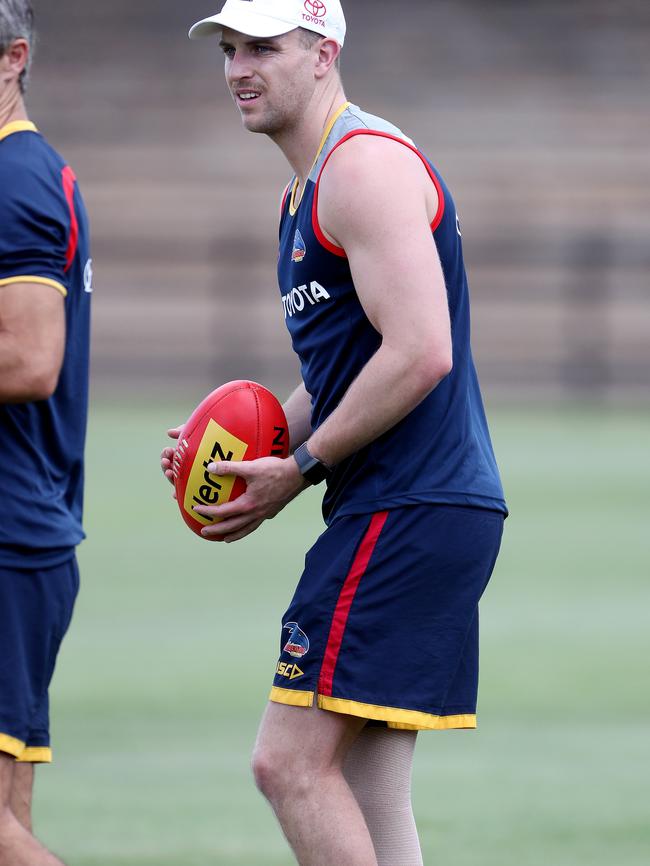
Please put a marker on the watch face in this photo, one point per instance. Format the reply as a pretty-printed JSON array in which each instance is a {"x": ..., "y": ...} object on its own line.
[{"x": 316, "y": 473}]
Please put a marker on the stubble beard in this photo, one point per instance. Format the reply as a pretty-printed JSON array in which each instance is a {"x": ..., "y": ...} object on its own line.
[
  {"x": 275, "y": 122},
  {"x": 269, "y": 124}
]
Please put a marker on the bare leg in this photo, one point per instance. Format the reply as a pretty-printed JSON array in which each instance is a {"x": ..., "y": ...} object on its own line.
[
  {"x": 17, "y": 845},
  {"x": 20, "y": 798},
  {"x": 298, "y": 767},
  {"x": 378, "y": 770}
]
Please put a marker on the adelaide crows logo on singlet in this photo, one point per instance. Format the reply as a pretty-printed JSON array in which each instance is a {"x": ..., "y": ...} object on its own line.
[{"x": 299, "y": 248}]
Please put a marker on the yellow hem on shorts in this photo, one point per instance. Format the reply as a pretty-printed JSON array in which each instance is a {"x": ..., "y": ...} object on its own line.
[
  {"x": 404, "y": 720},
  {"x": 291, "y": 697},
  {"x": 409, "y": 720},
  {"x": 35, "y": 755},
  {"x": 45, "y": 281},
  {"x": 11, "y": 745}
]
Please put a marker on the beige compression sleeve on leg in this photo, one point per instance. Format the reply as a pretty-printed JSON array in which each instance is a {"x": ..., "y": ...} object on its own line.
[{"x": 378, "y": 770}]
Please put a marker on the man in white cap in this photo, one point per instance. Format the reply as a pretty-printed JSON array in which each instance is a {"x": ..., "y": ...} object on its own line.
[{"x": 381, "y": 637}]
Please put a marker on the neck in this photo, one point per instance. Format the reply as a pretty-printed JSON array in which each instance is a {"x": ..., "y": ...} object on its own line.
[
  {"x": 300, "y": 143},
  {"x": 12, "y": 107}
]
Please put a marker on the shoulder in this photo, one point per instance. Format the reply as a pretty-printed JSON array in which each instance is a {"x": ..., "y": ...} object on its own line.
[
  {"x": 367, "y": 155},
  {"x": 373, "y": 178},
  {"x": 31, "y": 177},
  {"x": 372, "y": 167},
  {"x": 27, "y": 161},
  {"x": 34, "y": 209}
]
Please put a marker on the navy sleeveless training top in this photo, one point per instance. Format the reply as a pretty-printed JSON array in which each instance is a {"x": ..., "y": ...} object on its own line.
[{"x": 443, "y": 445}]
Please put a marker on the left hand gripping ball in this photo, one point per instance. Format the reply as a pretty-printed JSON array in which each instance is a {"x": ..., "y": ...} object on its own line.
[{"x": 241, "y": 420}]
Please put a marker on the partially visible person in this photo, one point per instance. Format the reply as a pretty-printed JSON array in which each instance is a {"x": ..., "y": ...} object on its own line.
[{"x": 45, "y": 291}]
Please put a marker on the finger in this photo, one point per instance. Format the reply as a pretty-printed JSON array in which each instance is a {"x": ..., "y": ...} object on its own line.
[
  {"x": 174, "y": 433},
  {"x": 167, "y": 454},
  {"x": 231, "y": 467},
  {"x": 229, "y": 532},
  {"x": 241, "y": 506},
  {"x": 237, "y": 536},
  {"x": 225, "y": 527},
  {"x": 167, "y": 469},
  {"x": 231, "y": 522}
]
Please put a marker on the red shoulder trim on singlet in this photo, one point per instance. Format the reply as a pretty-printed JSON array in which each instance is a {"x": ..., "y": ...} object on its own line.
[
  {"x": 339, "y": 251},
  {"x": 69, "y": 179}
]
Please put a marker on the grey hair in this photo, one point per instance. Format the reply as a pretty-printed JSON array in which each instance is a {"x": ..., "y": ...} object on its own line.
[{"x": 17, "y": 22}]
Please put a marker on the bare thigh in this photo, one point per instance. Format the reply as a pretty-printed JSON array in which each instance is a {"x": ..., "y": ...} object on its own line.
[{"x": 308, "y": 737}]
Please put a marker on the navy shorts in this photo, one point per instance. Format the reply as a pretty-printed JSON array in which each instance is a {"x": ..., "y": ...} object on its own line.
[
  {"x": 35, "y": 611},
  {"x": 384, "y": 621}
]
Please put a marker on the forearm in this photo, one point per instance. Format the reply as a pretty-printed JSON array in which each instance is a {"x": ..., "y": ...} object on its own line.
[
  {"x": 297, "y": 408},
  {"x": 389, "y": 387}
]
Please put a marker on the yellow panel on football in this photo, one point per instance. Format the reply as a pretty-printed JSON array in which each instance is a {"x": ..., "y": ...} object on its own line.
[{"x": 204, "y": 488}]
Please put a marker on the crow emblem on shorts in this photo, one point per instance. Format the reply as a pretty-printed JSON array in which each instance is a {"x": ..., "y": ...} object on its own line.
[{"x": 298, "y": 643}]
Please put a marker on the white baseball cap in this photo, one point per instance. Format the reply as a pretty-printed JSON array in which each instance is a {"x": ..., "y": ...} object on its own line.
[{"x": 265, "y": 18}]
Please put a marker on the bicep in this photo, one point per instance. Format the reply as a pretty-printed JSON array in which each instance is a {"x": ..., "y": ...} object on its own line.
[
  {"x": 384, "y": 228},
  {"x": 399, "y": 279},
  {"x": 32, "y": 315}
]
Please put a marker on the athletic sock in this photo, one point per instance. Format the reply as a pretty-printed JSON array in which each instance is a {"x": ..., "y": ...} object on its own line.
[{"x": 378, "y": 770}]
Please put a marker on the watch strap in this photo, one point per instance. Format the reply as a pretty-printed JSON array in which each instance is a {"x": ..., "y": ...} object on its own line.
[{"x": 310, "y": 467}]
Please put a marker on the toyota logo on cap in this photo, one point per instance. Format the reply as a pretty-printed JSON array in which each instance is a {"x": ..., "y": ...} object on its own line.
[{"x": 316, "y": 8}]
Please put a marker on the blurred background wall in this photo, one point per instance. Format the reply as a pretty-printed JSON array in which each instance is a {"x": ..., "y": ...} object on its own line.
[{"x": 535, "y": 112}]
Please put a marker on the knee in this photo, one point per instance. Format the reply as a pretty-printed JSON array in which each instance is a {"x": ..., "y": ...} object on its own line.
[
  {"x": 277, "y": 775},
  {"x": 267, "y": 771}
]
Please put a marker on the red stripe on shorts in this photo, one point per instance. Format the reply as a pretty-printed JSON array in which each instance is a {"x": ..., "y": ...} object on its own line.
[
  {"x": 68, "y": 178},
  {"x": 344, "y": 603}
]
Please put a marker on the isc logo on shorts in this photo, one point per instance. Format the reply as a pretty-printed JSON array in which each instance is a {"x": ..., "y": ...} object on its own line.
[{"x": 291, "y": 672}]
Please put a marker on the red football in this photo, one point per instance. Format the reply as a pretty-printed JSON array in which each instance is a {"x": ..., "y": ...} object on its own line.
[{"x": 241, "y": 420}]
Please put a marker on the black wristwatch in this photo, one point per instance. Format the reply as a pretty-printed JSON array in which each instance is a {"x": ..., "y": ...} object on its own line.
[{"x": 310, "y": 468}]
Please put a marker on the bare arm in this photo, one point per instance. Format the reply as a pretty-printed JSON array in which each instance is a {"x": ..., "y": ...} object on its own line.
[
  {"x": 297, "y": 408},
  {"x": 384, "y": 228},
  {"x": 32, "y": 341}
]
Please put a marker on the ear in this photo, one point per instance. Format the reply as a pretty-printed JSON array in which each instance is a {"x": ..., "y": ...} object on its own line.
[
  {"x": 328, "y": 53},
  {"x": 15, "y": 58}
]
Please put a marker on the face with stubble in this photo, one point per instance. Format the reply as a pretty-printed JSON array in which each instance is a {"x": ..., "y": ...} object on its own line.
[{"x": 271, "y": 80}]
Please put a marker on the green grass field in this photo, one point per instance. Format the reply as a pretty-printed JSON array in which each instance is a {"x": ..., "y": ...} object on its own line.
[{"x": 166, "y": 669}]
